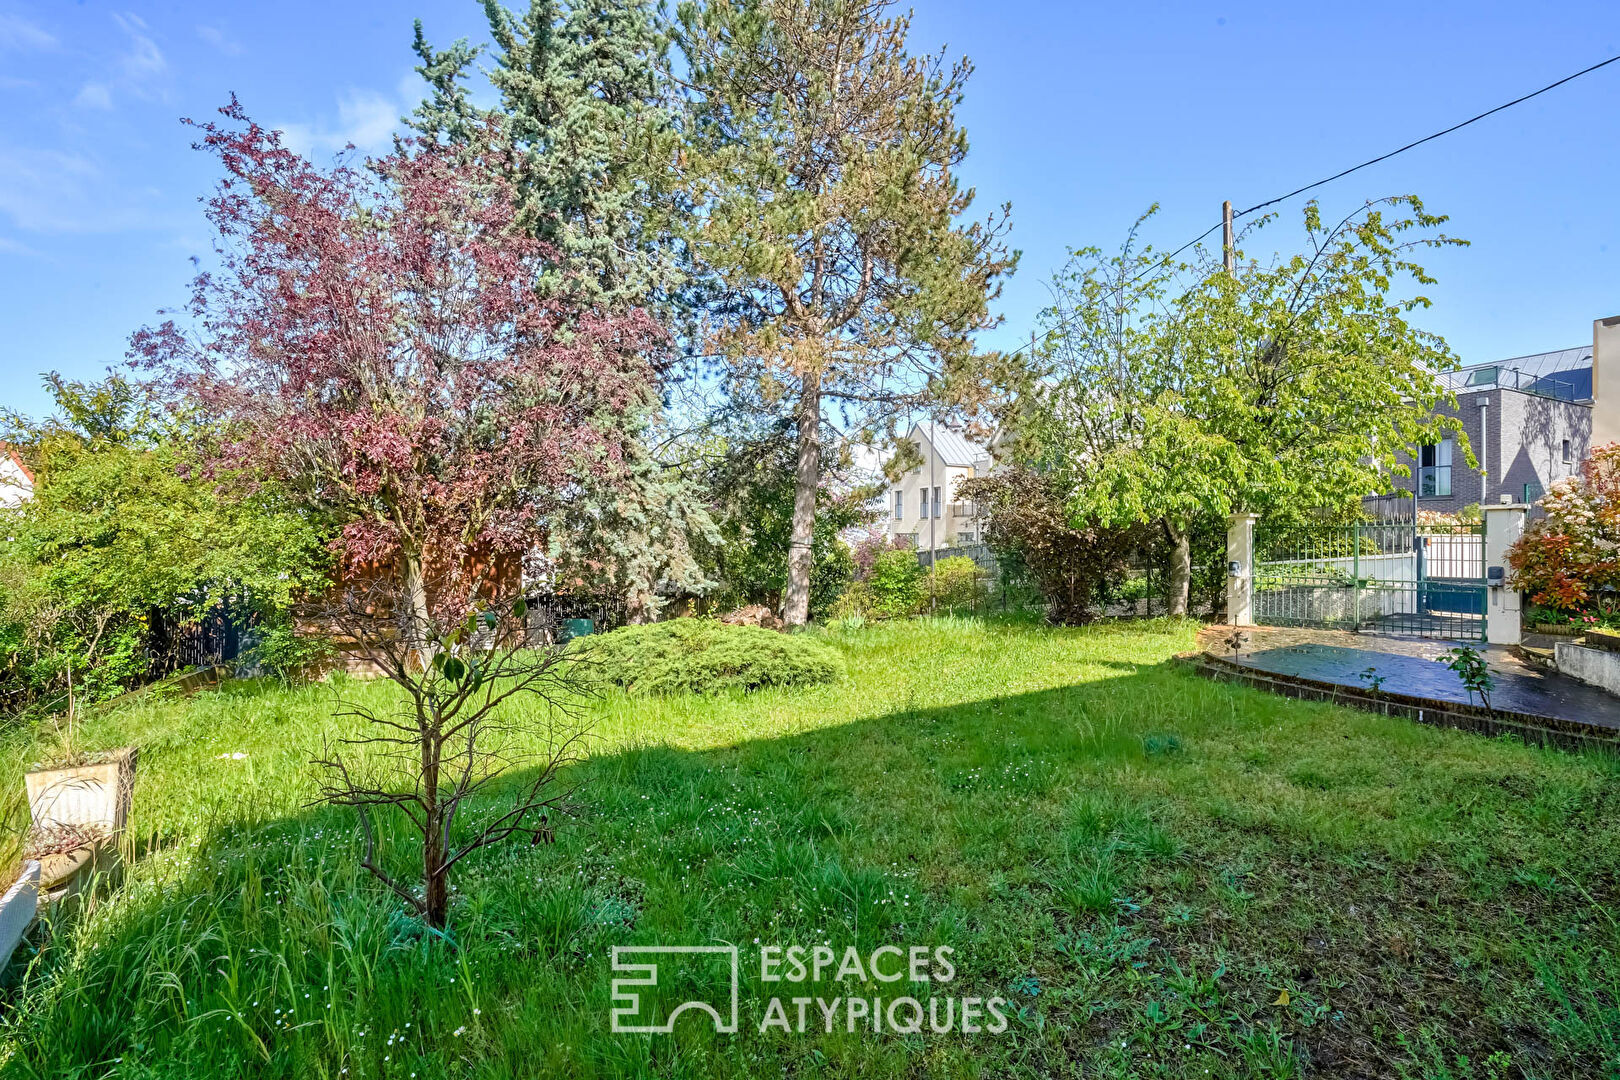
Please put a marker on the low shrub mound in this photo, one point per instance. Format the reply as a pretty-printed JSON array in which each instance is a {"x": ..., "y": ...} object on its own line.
[{"x": 704, "y": 657}]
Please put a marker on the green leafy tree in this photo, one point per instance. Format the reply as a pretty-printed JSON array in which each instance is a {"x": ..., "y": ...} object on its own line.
[
  {"x": 1279, "y": 388},
  {"x": 823, "y": 158},
  {"x": 120, "y": 533}
]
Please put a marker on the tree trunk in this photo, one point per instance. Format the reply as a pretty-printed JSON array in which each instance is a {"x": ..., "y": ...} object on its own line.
[
  {"x": 435, "y": 844},
  {"x": 420, "y": 627},
  {"x": 1180, "y": 565},
  {"x": 807, "y": 477}
]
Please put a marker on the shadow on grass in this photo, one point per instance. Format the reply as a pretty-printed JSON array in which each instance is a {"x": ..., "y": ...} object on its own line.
[{"x": 1045, "y": 836}]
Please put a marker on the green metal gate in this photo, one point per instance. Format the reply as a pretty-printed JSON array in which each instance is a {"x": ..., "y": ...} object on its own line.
[{"x": 1392, "y": 577}]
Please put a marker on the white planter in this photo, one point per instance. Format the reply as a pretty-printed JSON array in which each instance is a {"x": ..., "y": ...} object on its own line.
[
  {"x": 96, "y": 794},
  {"x": 17, "y": 908}
]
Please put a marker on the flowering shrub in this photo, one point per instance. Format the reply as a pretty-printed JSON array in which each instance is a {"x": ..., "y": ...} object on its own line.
[{"x": 1570, "y": 556}]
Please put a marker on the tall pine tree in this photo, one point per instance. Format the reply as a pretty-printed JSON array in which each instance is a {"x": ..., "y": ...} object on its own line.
[
  {"x": 832, "y": 226},
  {"x": 583, "y": 105}
]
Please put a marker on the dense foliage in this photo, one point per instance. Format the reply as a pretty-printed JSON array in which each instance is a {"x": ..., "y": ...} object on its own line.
[
  {"x": 1170, "y": 394},
  {"x": 373, "y": 343},
  {"x": 585, "y": 114},
  {"x": 122, "y": 546},
  {"x": 584, "y": 105},
  {"x": 958, "y": 584},
  {"x": 750, "y": 485},
  {"x": 1570, "y": 558},
  {"x": 1030, "y": 522},
  {"x": 897, "y": 585},
  {"x": 701, "y": 656}
]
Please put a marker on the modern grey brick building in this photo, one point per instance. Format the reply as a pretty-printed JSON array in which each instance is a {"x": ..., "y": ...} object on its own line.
[{"x": 1529, "y": 422}]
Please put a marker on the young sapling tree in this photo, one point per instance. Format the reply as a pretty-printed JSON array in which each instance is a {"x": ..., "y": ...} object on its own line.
[{"x": 445, "y": 759}]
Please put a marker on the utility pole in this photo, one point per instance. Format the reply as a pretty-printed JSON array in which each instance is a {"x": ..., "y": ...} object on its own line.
[
  {"x": 1228, "y": 245},
  {"x": 933, "y": 509}
]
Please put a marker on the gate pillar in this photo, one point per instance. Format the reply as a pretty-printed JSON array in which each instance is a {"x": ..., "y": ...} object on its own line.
[
  {"x": 1240, "y": 569},
  {"x": 1504, "y": 524}
]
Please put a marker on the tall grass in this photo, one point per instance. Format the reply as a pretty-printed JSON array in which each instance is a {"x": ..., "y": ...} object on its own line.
[{"x": 1140, "y": 860}]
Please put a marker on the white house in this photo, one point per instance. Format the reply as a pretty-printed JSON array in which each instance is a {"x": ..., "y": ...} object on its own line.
[
  {"x": 16, "y": 482},
  {"x": 923, "y": 508}
]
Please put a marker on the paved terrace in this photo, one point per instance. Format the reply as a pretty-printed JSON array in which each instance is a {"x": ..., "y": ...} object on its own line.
[{"x": 1410, "y": 668}]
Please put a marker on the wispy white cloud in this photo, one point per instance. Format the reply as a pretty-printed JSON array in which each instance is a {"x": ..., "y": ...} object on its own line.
[
  {"x": 141, "y": 71},
  {"x": 60, "y": 191},
  {"x": 220, "y": 40},
  {"x": 365, "y": 118},
  {"x": 94, "y": 96},
  {"x": 145, "y": 59},
  {"x": 19, "y": 34},
  {"x": 15, "y": 247}
]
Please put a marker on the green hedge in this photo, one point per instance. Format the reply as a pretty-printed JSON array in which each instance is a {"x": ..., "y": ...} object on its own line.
[{"x": 704, "y": 657}]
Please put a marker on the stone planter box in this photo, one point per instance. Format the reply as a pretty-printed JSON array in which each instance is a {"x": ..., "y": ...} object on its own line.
[
  {"x": 1557, "y": 629},
  {"x": 1608, "y": 640},
  {"x": 17, "y": 909},
  {"x": 93, "y": 794},
  {"x": 1597, "y": 667}
]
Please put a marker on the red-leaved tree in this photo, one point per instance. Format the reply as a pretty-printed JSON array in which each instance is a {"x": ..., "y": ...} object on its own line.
[
  {"x": 373, "y": 342},
  {"x": 1570, "y": 556}
]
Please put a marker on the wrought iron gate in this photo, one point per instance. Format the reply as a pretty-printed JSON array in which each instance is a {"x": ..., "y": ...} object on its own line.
[{"x": 1391, "y": 577}]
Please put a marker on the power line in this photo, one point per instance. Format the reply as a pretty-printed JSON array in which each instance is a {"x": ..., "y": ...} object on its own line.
[
  {"x": 1430, "y": 138},
  {"x": 1346, "y": 172}
]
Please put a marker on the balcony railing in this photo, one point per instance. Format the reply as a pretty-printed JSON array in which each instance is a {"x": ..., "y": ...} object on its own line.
[{"x": 1561, "y": 385}]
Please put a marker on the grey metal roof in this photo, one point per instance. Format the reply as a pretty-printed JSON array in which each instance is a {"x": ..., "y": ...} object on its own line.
[
  {"x": 1562, "y": 373},
  {"x": 953, "y": 447}
]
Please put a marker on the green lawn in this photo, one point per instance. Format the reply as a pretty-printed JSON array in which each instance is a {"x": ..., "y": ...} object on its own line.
[{"x": 1144, "y": 864}]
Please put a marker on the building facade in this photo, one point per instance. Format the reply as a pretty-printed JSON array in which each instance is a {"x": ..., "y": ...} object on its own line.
[
  {"x": 1529, "y": 422},
  {"x": 923, "y": 508},
  {"x": 1606, "y": 381},
  {"x": 16, "y": 481}
]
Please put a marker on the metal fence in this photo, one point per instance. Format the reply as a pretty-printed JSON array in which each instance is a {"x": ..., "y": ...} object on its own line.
[
  {"x": 179, "y": 643},
  {"x": 1393, "y": 577}
]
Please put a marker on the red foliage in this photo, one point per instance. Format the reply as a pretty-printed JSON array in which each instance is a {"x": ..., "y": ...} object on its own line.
[
  {"x": 1572, "y": 554},
  {"x": 372, "y": 341}
]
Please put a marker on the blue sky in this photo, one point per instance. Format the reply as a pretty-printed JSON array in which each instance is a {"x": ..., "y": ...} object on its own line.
[{"x": 1080, "y": 114}]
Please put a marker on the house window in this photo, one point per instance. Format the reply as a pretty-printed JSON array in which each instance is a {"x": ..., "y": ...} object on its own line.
[
  {"x": 924, "y": 502},
  {"x": 1566, "y": 452},
  {"x": 1434, "y": 470},
  {"x": 899, "y": 503},
  {"x": 1532, "y": 491},
  {"x": 936, "y": 502}
]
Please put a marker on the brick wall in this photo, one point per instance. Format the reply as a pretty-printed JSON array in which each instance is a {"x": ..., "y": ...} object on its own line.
[{"x": 1524, "y": 446}]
